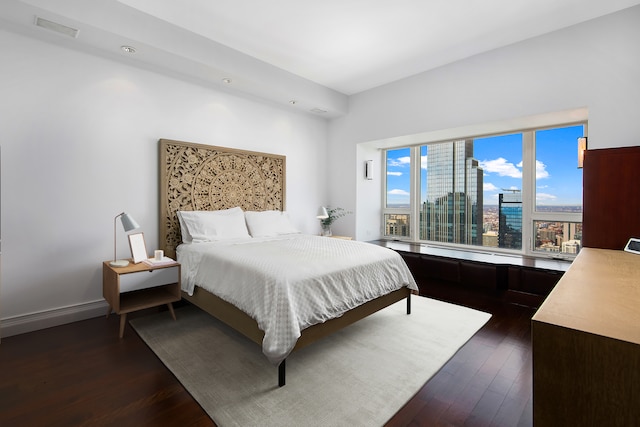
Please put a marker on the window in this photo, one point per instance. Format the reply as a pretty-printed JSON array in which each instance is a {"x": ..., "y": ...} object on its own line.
[
  {"x": 397, "y": 210},
  {"x": 557, "y": 216},
  {"x": 518, "y": 192}
]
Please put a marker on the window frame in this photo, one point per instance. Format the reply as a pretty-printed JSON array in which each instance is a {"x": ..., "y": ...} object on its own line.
[
  {"x": 398, "y": 211},
  {"x": 529, "y": 213},
  {"x": 532, "y": 214}
]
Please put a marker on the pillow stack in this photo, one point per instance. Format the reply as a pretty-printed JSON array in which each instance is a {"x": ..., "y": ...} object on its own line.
[{"x": 233, "y": 224}]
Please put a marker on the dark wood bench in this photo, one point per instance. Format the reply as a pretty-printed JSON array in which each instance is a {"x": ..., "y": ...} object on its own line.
[{"x": 513, "y": 278}]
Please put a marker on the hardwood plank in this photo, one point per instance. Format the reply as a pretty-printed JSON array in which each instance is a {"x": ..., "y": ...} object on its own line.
[{"x": 83, "y": 374}]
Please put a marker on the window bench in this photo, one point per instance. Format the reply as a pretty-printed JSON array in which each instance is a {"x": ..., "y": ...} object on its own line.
[{"x": 516, "y": 279}]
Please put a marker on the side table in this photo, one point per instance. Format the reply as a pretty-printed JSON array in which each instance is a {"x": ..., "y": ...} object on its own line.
[{"x": 139, "y": 286}]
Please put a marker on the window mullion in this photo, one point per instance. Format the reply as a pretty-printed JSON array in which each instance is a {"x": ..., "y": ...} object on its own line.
[
  {"x": 415, "y": 192},
  {"x": 528, "y": 190}
]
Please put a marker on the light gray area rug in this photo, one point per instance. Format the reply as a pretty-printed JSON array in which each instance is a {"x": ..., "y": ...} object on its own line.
[{"x": 362, "y": 375}]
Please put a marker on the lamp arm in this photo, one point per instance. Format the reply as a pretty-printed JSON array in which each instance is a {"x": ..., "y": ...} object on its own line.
[{"x": 114, "y": 234}]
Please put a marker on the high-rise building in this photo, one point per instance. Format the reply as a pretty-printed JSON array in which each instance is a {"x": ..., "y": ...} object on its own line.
[
  {"x": 510, "y": 220},
  {"x": 452, "y": 211},
  {"x": 396, "y": 225},
  {"x": 490, "y": 239}
]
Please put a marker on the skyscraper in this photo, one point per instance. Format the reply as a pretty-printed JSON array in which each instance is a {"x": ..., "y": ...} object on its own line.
[
  {"x": 452, "y": 211},
  {"x": 510, "y": 217}
]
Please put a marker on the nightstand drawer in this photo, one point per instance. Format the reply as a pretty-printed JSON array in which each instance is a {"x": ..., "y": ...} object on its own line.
[{"x": 148, "y": 279}]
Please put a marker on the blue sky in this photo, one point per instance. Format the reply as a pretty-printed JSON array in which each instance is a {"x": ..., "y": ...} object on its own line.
[{"x": 558, "y": 180}]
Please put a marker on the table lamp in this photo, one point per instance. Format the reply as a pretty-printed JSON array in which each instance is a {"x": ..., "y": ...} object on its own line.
[
  {"x": 128, "y": 224},
  {"x": 322, "y": 213}
]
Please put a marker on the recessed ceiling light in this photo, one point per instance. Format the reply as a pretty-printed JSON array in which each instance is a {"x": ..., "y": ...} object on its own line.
[
  {"x": 128, "y": 49},
  {"x": 227, "y": 80},
  {"x": 293, "y": 102}
]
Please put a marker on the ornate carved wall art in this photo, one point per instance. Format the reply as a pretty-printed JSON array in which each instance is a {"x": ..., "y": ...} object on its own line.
[{"x": 206, "y": 177}]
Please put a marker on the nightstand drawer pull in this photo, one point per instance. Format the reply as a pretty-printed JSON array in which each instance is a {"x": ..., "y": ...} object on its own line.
[{"x": 148, "y": 279}]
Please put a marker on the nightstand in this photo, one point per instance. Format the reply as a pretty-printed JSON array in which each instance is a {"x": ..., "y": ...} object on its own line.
[{"x": 139, "y": 286}]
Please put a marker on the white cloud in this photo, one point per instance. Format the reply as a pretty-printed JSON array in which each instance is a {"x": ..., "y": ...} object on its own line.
[
  {"x": 423, "y": 162},
  {"x": 545, "y": 197},
  {"x": 487, "y": 186},
  {"x": 394, "y": 173},
  {"x": 399, "y": 162},
  {"x": 541, "y": 170},
  {"x": 502, "y": 167},
  {"x": 398, "y": 192}
]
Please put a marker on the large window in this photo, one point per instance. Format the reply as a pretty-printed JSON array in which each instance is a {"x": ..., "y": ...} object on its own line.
[{"x": 518, "y": 192}]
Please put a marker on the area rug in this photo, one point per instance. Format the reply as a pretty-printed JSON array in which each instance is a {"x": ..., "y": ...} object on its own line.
[{"x": 361, "y": 375}]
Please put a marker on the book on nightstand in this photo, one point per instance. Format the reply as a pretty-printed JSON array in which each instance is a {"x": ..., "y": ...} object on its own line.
[{"x": 164, "y": 261}]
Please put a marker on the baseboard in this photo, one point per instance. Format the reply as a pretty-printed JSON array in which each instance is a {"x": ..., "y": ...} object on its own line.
[{"x": 47, "y": 319}]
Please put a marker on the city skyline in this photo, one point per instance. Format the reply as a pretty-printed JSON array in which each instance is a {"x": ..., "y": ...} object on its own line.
[{"x": 558, "y": 180}]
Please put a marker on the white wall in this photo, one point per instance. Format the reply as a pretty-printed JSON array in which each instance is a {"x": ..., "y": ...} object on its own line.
[
  {"x": 594, "y": 65},
  {"x": 79, "y": 145}
]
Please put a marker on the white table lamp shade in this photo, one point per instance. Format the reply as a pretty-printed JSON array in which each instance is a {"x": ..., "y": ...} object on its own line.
[
  {"x": 322, "y": 213},
  {"x": 128, "y": 223}
]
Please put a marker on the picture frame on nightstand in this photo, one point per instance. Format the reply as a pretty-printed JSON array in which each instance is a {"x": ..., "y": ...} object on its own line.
[{"x": 138, "y": 247}]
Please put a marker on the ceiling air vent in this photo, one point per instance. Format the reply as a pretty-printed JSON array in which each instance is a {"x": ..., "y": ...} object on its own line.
[
  {"x": 318, "y": 110},
  {"x": 58, "y": 28}
]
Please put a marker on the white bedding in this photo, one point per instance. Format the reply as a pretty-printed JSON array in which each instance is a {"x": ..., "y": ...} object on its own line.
[{"x": 288, "y": 283}]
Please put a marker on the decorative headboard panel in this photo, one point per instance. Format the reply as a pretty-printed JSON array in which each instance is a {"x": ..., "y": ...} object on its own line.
[{"x": 205, "y": 177}]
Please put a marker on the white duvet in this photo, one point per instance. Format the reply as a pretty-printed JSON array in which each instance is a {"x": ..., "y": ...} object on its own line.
[{"x": 291, "y": 282}]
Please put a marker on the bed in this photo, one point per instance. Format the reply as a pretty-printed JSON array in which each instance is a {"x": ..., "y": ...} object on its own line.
[{"x": 199, "y": 181}]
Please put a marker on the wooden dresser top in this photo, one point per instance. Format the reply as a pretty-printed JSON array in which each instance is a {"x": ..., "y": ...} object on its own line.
[{"x": 599, "y": 294}]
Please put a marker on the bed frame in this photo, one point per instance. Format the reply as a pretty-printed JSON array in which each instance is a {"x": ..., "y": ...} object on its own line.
[{"x": 205, "y": 177}]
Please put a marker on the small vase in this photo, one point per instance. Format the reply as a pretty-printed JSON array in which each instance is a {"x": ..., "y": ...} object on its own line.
[{"x": 326, "y": 230}]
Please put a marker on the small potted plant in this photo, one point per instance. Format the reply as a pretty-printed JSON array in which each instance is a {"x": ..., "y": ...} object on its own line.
[{"x": 332, "y": 215}]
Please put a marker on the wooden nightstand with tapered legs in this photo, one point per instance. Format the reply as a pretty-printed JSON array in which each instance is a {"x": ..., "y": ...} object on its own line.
[{"x": 139, "y": 286}]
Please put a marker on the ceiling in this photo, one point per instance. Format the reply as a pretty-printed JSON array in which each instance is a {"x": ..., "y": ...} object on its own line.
[{"x": 320, "y": 52}]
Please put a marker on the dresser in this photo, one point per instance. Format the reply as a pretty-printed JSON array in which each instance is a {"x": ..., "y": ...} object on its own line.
[
  {"x": 586, "y": 344},
  {"x": 611, "y": 206}
]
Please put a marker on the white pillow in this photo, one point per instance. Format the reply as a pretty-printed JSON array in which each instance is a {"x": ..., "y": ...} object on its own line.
[
  {"x": 269, "y": 223},
  {"x": 211, "y": 226}
]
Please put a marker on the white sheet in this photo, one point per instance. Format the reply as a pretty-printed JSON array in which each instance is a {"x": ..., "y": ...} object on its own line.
[{"x": 291, "y": 282}]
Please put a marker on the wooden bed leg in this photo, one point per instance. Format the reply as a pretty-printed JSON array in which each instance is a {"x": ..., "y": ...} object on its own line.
[
  {"x": 281, "y": 372},
  {"x": 409, "y": 304}
]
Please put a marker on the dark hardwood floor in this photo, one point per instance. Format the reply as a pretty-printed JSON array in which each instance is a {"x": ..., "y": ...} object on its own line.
[{"x": 81, "y": 374}]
